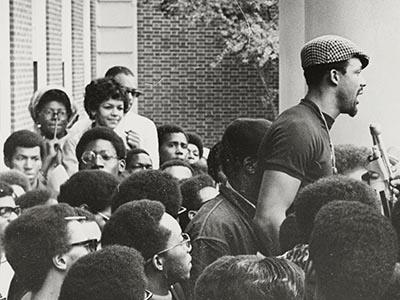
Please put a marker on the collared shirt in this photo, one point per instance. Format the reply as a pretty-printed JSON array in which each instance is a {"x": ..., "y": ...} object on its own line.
[{"x": 223, "y": 226}]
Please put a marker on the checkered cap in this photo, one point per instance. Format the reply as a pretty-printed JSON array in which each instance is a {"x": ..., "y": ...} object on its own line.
[{"x": 329, "y": 49}]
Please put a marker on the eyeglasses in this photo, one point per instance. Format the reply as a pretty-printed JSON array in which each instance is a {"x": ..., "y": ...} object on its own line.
[
  {"x": 181, "y": 210},
  {"x": 89, "y": 157},
  {"x": 105, "y": 218},
  {"x": 91, "y": 245},
  {"x": 6, "y": 211},
  {"x": 185, "y": 242},
  {"x": 134, "y": 92},
  {"x": 147, "y": 295},
  {"x": 54, "y": 113}
]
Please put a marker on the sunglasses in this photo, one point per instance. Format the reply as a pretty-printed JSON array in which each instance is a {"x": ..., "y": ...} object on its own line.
[
  {"x": 147, "y": 295},
  {"x": 6, "y": 211},
  {"x": 91, "y": 245},
  {"x": 135, "y": 93}
]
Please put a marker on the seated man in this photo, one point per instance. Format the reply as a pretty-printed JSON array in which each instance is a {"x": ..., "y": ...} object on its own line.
[
  {"x": 101, "y": 148},
  {"x": 172, "y": 143},
  {"x": 8, "y": 212},
  {"x": 150, "y": 184},
  {"x": 224, "y": 225},
  {"x": 137, "y": 160},
  {"x": 115, "y": 272},
  {"x": 145, "y": 226},
  {"x": 24, "y": 151},
  {"x": 250, "y": 277},
  {"x": 43, "y": 243},
  {"x": 178, "y": 169},
  {"x": 91, "y": 189},
  {"x": 353, "y": 251}
]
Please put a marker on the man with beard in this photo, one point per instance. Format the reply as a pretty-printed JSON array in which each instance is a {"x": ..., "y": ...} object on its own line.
[{"x": 298, "y": 149}]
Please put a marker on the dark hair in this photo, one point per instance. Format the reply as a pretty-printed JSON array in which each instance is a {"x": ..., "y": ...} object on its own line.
[
  {"x": 312, "y": 197},
  {"x": 350, "y": 157},
  {"x": 5, "y": 190},
  {"x": 195, "y": 139},
  {"x": 116, "y": 70},
  {"x": 250, "y": 277},
  {"x": 33, "y": 239},
  {"x": 15, "y": 177},
  {"x": 91, "y": 187},
  {"x": 114, "y": 272},
  {"x": 100, "y": 90},
  {"x": 314, "y": 74},
  {"x": 190, "y": 190},
  {"x": 136, "y": 224},
  {"x": 149, "y": 184},
  {"x": 100, "y": 133},
  {"x": 165, "y": 130},
  {"x": 353, "y": 249},
  {"x": 132, "y": 152},
  {"x": 289, "y": 234},
  {"x": 214, "y": 163},
  {"x": 33, "y": 198},
  {"x": 176, "y": 162},
  {"x": 55, "y": 95},
  {"x": 25, "y": 139}
]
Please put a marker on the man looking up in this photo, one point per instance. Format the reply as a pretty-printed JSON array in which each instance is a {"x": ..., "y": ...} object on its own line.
[{"x": 298, "y": 149}]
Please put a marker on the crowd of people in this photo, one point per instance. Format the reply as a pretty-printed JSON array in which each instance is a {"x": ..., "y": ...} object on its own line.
[{"x": 109, "y": 206}]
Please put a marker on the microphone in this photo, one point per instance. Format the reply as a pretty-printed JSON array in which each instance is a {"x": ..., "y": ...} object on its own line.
[{"x": 380, "y": 164}]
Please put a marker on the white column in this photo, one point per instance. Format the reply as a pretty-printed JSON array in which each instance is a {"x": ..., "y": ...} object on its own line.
[
  {"x": 5, "y": 90},
  {"x": 373, "y": 26},
  {"x": 66, "y": 44},
  {"x": 39, "y": 51}
]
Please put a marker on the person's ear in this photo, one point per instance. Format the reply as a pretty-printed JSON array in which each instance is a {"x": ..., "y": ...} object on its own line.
[
  {"x": 60, "y": 262},
  {"x": 7, "y": 162},
  {"x": 158, "y": 262},
  {"x": 334, "y": 76},
  {"x": 121, "y": 165},
  {"x": 250, "y": 165}
]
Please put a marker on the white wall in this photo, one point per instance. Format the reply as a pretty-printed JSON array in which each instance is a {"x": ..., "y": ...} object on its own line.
[
  {"x": 39, "y": 39},
  {"x": 5, "y": 91},
  {"x": 371, "y": 24}
]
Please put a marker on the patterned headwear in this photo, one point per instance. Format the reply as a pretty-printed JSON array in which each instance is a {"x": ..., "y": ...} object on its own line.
[{"x": 329, "y": 49}]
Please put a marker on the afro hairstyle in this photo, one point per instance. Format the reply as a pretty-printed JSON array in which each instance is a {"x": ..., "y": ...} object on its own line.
[
  {"x": 114, "y": 272},
  {"x": 91, "y": 187},
  {"x": 195, "y": 139},
  {"x": 132, "y": 152},
  {"x": 136, "y": 224},
  {"x": 149, "y": 184},
  {"x": 190, "y": 190},
  {"x": 34, "y": 238},
  {"x": 176, "y": 162},
  {"x": 353, "y": 249},
  {"x": 350, "y": 157},
  {"x": 289, "y": 234},
  {"x": 165, "y": 130},
  {"x": 15, "y": 177},
  {"x": 33, "y": 198},
  {"x": 100, "y": 133},
  {"x": 25, "y": 139},
  {"x": 336, "y": 187},
  {"x": 250, "y": 277},
  {"x": 100, "y": 90},
  {"x": 214, "y": 167}
]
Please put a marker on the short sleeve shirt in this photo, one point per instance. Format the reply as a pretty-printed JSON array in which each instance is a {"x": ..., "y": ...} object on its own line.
[{"x": 298, "y": 143}]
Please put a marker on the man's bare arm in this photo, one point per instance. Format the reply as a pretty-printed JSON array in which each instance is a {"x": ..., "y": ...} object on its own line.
[{"x": 277, "y": 193}]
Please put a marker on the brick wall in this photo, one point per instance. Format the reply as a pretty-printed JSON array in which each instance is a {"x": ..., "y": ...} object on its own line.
[
  {"x": 93, "y": 45},
  {"x": 21, "y": 65},
  {"x": 180, "y": 86},
  {"x": 54, "y": 42},
  {"x": 78, "y": 79}
]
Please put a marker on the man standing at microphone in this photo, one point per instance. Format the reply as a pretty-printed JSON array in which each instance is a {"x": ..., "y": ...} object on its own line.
[{"x": 298, "y": 148}]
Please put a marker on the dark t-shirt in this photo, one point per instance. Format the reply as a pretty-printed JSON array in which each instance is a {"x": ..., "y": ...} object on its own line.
[{"x": 298, "y": 144}]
